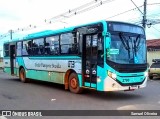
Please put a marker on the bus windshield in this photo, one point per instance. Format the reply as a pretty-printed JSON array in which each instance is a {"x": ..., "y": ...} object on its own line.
[{"x": 127, "y": 48}]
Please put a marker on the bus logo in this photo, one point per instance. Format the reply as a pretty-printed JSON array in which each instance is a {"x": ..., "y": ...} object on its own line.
[{"x": 71, "y": 64}]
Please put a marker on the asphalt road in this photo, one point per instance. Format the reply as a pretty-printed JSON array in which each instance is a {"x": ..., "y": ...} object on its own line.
[{"x": 37, "y": 95}]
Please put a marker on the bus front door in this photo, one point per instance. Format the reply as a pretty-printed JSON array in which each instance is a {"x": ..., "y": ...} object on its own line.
[
  {"x": 12, "y": 58},
  {"x": 89, "y": 62}
]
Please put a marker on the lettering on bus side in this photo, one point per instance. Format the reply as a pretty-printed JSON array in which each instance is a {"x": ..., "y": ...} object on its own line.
[
  {"x": 42, "y": 65},
  {"x": 71, "y": 64}
]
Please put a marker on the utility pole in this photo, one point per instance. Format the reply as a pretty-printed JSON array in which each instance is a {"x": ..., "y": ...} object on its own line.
[
  {"x": 11, "y": 33},
  {"x": 144, "y": 21}
]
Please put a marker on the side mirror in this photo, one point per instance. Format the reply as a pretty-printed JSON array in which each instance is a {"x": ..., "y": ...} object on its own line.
[
  {"x": 107, "y": 43},
  {"x": 108, "y": 52}
]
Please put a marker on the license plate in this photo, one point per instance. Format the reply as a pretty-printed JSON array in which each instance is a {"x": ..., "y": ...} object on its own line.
[
  {"x": 133, "y": 87},
  {"x": 154, "y": 74}
]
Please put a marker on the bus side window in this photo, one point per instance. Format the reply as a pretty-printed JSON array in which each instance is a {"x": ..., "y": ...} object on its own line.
[
  {"x": 47, "y": 49},
  {"x": 68, "y": 43},
  {"x": 100, "y": 50},
  {"x": 80, "y": 43},
  {"x": 6, "y": 50},
  {"x": 25, "y": 48},
  {"x": 34, "y": 48},
  {"x": 74, "y": 44},
  {"x": 38, "y": 46},
  {"x": 52, "y": 45},
  {"x": 19, "y": 48},
  {"x": 29, "y": 49}
]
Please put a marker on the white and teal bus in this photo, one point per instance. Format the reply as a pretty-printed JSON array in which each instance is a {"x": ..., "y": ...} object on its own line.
[{"x": 105, "y": 56}]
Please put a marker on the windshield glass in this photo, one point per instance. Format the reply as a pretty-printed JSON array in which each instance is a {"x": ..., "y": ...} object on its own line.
[{"x": 127, "y": 49}]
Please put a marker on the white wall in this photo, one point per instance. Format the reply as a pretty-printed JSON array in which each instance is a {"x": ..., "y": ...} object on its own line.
[{"x": 1, "y": 63}]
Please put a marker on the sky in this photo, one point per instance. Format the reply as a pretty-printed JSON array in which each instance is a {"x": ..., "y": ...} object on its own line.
[{"x": 16, "y": 14}]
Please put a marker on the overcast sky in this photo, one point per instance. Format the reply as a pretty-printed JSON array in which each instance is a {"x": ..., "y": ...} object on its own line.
[{"x": 16, "y": 14}]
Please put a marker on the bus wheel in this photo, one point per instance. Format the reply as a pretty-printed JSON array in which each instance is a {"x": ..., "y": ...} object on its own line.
[
  {"x": 150, "y": 77},
  {"x": 74, "y": 84},
  {"x": 22, "y": 75}
]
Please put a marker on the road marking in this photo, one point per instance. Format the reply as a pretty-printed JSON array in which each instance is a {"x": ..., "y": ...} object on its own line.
[
  {"x": 2, "y": 117},
  {"x": 53, "y": 99},
  {"x": 139, "y": 107},
  {"x": 127, "y": 107}
]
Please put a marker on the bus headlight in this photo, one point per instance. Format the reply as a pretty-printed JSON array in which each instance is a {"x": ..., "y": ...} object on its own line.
[
  {"x": 112, "y": 75},
  {"x": 98, "y": 79},
  {"x": 146, "y": 74}
]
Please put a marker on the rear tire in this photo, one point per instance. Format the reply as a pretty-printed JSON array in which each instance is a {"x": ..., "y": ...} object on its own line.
[
  {"x": 22, "y": 76},
  {"x": 74, "y": 84},
  {"x": 150, "y": 77}
]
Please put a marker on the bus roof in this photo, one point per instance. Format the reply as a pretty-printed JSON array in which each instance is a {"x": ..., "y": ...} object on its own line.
[
  {"x": 40, "y": 34},
  {"x": 50, "y": 32},
  {"x": 53, "y": 32},
  {"x": 47, "y": 33}
]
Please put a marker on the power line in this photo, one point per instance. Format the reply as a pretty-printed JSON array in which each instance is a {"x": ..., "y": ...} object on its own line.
[
  {"x": 136, "y": 20},
  {"x": 156, "y": 14},
  {"x": 83, "y": 8},
  {"x": 143, "y": 13},
  {"x": 124, "y": 12},
  {"x": 137, "y": 8},
  {"x": 74, "y": 10},
  {"x": 153, "y": 4},
  {"x": 131, "y": 10},
  {"x": 156, "y": 29}
]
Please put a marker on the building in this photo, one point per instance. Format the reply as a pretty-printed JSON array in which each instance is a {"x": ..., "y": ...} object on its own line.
[
  {"x": 153, "y": 50},
  {"x": 1, "y": 62}
]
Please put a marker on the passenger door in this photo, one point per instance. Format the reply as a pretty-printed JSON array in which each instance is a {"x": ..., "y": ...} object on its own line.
[
  {"x": 12, "y": 58},
  {"x": 89, "y": 60}
]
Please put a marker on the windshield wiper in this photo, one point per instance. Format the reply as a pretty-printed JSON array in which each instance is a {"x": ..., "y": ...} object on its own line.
[
  {"x": 137, "y": 41},
  {"x": 136, "y": 44},
  {"x": 125, "y": 43}
]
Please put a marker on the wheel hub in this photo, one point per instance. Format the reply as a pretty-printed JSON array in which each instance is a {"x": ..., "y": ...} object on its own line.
[
  {"x": 73, "y": 83},
  {"x": 22, "y": 75}
]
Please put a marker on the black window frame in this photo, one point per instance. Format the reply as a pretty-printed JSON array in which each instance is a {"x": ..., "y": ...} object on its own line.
[
  {"x": 49, "y": 46},
  {"x": 75, "y": 42},
  {"x": 28, "y": 54},
  {"x": 6, "y": 50},
  {"x": 38, "y": 48},
  {"x": 72, "y": 46},
  {"x": 125, "y": 27},
  {"x": 18, "y": 47}
]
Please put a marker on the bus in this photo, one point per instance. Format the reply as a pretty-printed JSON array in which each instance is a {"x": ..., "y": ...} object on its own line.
[{"x": 104, "y": 56}]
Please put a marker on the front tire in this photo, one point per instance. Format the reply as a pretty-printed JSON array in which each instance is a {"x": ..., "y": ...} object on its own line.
[
  {"x": 150, "y": 77},
  {"x": 74, "y": 84},
  {"x": 22, "y": 76}
]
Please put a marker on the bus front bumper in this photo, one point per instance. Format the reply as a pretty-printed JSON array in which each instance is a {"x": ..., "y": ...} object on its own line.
[{"x": 112, "y": 85}]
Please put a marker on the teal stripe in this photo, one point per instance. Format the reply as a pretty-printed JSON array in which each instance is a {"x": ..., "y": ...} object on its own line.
[
  {"x": 93, "y": 85},
  {"x": 56, "y": 58},
  {"x": 6, "y": 58}
]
